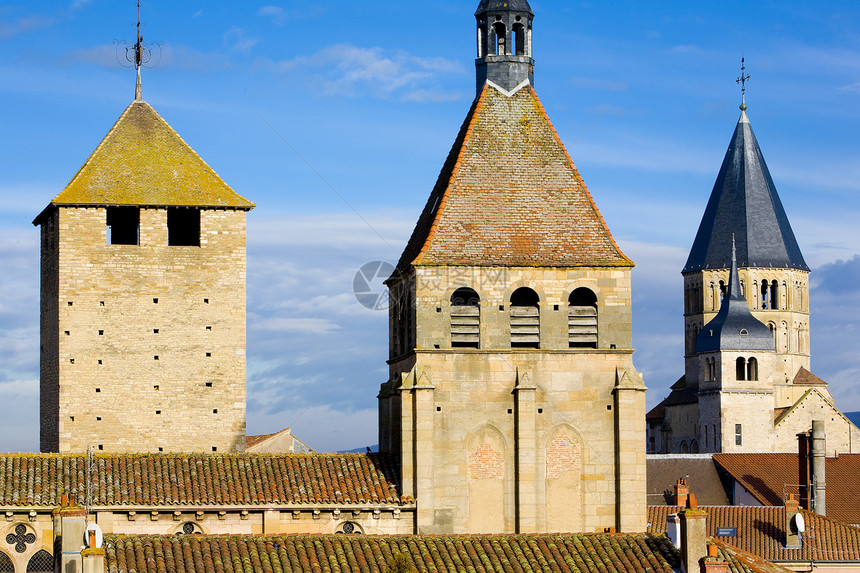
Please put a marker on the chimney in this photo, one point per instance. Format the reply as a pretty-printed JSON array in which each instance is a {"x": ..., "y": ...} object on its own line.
[
  {"x": 681, "y": 492},
  {"x": 804, "y": 471},
  {"x": 70, "y": 525},
  {"x": 792, "y": 535},
  {"x": 713, "y": 563},
  {"x": 818, "y": 483},
  {"x": 93, "y": 557},
  {"x": 673, "y": 530},
  {"x": 693, "y": 538}
]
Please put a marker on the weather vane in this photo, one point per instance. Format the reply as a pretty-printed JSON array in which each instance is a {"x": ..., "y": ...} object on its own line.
[
  {"x": 138, "y": 54},
  {"x": 743, "y": 81}
]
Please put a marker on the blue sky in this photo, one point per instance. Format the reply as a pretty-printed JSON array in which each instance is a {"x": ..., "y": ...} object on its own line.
[{"x": 335, "y": 118}]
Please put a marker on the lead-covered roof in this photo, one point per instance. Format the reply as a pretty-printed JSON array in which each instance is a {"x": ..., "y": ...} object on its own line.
[{"x": 744, "y": 204}]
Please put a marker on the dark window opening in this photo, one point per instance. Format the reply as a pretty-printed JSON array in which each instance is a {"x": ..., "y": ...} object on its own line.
[
  {"x": 752, "y": 369},
  {"x": 582, "y": 319},
  {"x": 738, "y": 435},
  {"x": 499, "y": 39},
  {"x": 123, "y": 225},
  {"x": 209, "y": 384},
  {"x": 774, "y": 295},
  {"x": 465, "y": 319},
  {"x": 740, "y": 369},
  {"x": 183, "y": 227},
  {"x": 525, "y": 319},
  {"x": 518, "y": 40}
]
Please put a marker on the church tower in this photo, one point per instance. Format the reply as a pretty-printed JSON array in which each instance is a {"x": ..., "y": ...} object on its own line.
[
  {"x": 512, "y": 400},
  {"x": 774, "y": 278},
  {"x": 143, "y": 299},
  {"x": 736, "y": 357}
]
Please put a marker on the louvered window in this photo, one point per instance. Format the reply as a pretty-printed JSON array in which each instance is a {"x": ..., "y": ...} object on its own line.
[
  {"x": 525, "y": 319},
  {"x": 465, "y": 319},
  {"x": 582, "y": 319}
]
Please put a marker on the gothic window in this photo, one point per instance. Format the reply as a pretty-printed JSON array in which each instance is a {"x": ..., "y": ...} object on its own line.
[
  {"x": 123, "y": 225},
  {"x": 465, "y": 319},
  {"x": 525, "y": 319},
  {"x": 183, "y": 227},
  {"x": 6, "y": 565},
  {"x": 21, "y": 538},
  {"x": 582, "y": 319},
  {"x": 41, "y": 562},
  {"x": 499, "y": 34},
  {"x": 685, "y": 449},
  {"x": 694, "y": 447},
  {"x": 740, "y": 368},
  {"x": 752, "y": 369}
]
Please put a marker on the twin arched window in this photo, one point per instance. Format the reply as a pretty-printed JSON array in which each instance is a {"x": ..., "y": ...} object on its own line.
[{"x": 746, "y": 369}]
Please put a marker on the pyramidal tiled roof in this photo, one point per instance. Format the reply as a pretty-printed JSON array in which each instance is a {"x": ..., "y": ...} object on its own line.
[
  {"x": 33, "y": 480},
  {"x": 509, "y": 195},
  {"x": 744, "y": 204},
  {"x": 143, "y": 161},
  {"x": 512, "y": 5},
  {"x": 604, "y": 553}
]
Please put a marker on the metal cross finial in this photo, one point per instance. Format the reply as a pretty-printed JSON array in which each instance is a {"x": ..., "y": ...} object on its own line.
[
  {"x": 138, "y": 55},
  {"x": 743, "y": 81}
]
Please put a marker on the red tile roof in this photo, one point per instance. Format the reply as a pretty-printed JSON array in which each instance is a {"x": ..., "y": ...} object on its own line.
[
  {"x": 740, "y": 560},
  {"x": 509, "y": 194},
  {"x": 771, "y": 477},
  {"x": 33, "y": 480},
  {"x": 761, "y": 531},
  {"x": 604, "y": 553},
  {"x": 806, "y": 378}
]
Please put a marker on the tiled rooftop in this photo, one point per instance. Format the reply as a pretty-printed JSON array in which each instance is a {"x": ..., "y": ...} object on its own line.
[
  {"x": 771, "y": 477},
  {"x": 510, "y": 195},
  {"x": 605, "y": 553},
  {"x": 33, "y": 480},
  {"x": 761, "y": 531},
  {"x": 143, "y": 161}
]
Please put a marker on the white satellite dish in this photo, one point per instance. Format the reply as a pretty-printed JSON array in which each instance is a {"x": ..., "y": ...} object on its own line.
[
  {"x": 799, "y": 524},
  {"x": 99, "y": 536}
]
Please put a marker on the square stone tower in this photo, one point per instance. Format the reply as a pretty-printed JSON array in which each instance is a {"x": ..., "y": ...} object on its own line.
[
  {"x": 143, "y": 299},
  {"x": 512, "y": 400}
]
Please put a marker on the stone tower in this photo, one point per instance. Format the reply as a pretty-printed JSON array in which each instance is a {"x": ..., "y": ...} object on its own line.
[
  {"x": 773, "y": 276},
  {"x": 736, "y": 357},
  {"x": 512, "y": 399},
  {"x": 143, "y": 299}
]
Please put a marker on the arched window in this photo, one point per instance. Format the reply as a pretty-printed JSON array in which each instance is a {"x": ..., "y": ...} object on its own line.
[
  {"x": 765, "y": 295},
  {"x": 6, "y": 565},
  {"x": 41, "y": 562},
  {"x": 465, "y": 319},
  {"x": 774, "y": 295},
  {"x": 525, "y": 319},
  {"x": 711, "y": 297},
  {"x": 499, "y": 38},
  {"x": 518, "y": 40},
  {"x": 740, "y": 368},
  {"x": 582, "y": 319},
  {"x": 722, "y": 290},
  {"x": 685, "y": 449},
  {"x": 694, "y": 447},
  {"x": 752, "y": 369},
  {"x": 482, "y": 27}
]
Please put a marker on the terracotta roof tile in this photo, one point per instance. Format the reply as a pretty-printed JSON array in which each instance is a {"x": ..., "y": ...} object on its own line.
[
  {"x": 501, "y": 553},
  {"x": 143, "y": 161},
  {"x": 761, "y": 531},
  {"x": 509, "y": 194},
  {"x": 33, "y": 480},
  {"x": 771, "y": 477}
]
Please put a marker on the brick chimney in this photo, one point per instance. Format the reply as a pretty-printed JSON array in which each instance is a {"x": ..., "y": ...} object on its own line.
[
  {"x": 70, "y": 524},
  {"x": 693, "y": 537},
  {"x": 792, "y": 535},
  {"x": 681, "y": 492},
  {"x": 713, "y": 563},
  {"x": 818, "y": 483}
]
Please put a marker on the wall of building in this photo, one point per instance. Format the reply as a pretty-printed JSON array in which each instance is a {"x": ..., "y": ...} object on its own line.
[
  {"x": 501, "y": 439},
  {"x": 151, "y": 337}
]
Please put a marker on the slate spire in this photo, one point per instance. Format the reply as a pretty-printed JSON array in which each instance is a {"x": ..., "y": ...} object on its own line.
[
  {"x": 734, "y": 327},
  {"x": 744, "y": 204},
  {"x": 504, "y": 44}
]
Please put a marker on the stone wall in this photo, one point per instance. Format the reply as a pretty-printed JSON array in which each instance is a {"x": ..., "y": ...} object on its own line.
[{"x": 151, "y": 337}]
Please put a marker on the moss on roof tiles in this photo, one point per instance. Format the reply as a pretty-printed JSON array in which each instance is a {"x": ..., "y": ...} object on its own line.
[{"x": 143, "y": 161}]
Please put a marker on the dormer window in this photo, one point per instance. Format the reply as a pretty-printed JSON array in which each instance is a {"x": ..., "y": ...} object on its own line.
[{"x": 744, "y": 332}]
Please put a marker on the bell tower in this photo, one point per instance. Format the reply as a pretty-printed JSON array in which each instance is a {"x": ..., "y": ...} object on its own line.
[
  {"x": 512, "y": 400},
  {"x": 504, "y": 43}
]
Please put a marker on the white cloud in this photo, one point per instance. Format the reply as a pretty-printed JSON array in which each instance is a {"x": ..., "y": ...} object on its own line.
[
  {"x": 300, "y": 325},
  {"x": 276, "y": 13},
  {"x": 9, "y": 29},
  {"x": 236, "y": 39}
]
